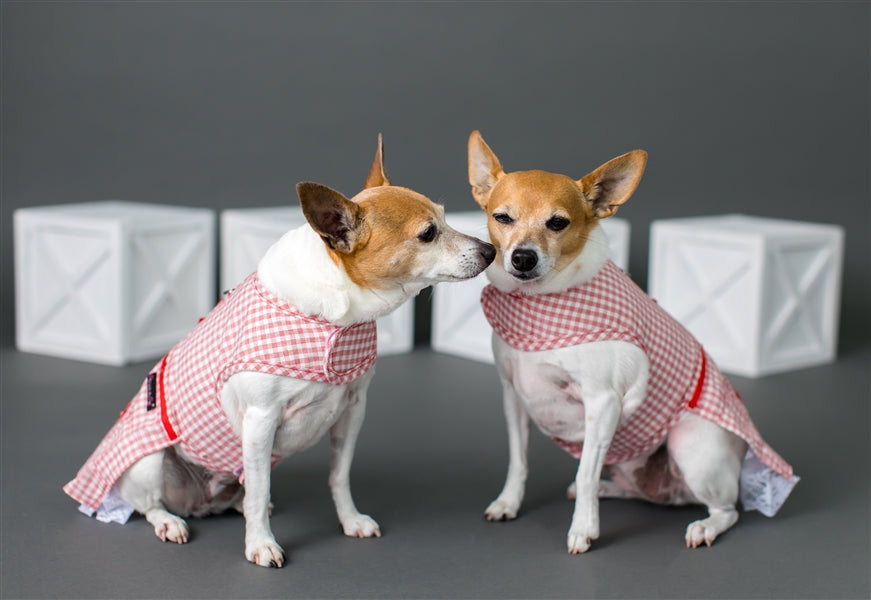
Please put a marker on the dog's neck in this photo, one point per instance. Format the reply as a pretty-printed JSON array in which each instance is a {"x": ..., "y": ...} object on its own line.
[
  {"x": 298, "y": 269},
  {"x": 580, "y": 270}
]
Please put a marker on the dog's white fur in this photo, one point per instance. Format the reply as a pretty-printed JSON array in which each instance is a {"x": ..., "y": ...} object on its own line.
[
  {"x": 283, "y": 416},
  {"x": 582, "y": 393}
]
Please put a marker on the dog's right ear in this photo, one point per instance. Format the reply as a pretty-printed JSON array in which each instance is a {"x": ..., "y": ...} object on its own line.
[
  {"x": 377, "y": 175},
  {"x": 335, "y": 218},
  {"x": 484, "y": 168}
]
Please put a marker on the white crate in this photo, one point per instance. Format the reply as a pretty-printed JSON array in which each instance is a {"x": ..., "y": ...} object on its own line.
[
  {"x": 458, "y": 323},
  {"x": 762, "y": 295},
  {"x": 111, "y": 282},
  {"x": 246, "y": 235},
  {"x": 618, "y": 232}
]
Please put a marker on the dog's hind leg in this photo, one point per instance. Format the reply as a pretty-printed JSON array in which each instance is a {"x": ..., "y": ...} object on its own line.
[
  {"x": 710, "y": 458},
  {"x": 142, "y": 486}
]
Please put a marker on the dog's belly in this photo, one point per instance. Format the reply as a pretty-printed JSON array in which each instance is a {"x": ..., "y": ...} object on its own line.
[{"x": 551, "y": 399}]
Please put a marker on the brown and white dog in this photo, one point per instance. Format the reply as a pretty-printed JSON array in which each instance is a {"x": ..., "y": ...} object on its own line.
[
  {"x": 281, "y": 360},
  {"x": 599, "y": 367}
]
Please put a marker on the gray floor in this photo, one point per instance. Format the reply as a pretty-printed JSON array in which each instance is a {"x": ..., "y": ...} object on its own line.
[{"x": 432, "y": 455}]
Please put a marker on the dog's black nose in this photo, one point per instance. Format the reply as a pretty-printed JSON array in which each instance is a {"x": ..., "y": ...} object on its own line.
[
  {"x": 488, "y": 252},
  {"x": 524, "y": 260}
]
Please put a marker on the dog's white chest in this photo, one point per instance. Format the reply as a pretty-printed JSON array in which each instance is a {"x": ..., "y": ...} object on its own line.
[
  {"x": 551, "y": 398},
  {"x": 552, "y": 384},
  {"x": 303, "y": 410},
  {"x": 310, "y": 415}
]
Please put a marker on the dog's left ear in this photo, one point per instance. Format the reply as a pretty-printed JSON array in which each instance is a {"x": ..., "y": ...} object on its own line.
[
  {"x": 377, "y": 175},
  {"x": 610, "y": 185},
  {"x": 335, "y": 218}
]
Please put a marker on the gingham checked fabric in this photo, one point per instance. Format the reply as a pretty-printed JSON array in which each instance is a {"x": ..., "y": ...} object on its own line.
[
  {"x": 611, "y": 307},
  {"x": 249, "y": 330}
]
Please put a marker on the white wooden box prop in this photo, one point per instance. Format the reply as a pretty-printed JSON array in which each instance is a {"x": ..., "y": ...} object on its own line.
[
  {"x": 762, "y": 295},
  {"x": 458, "y": 323},
  {"x": 111, "y": 282},
  {"x": 246, "y": 235}
]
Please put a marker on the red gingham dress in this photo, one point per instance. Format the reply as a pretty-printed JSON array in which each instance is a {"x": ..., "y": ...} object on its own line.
[
  {"x": 251, "y": 329},
  {"x": 611, "y": 307}
]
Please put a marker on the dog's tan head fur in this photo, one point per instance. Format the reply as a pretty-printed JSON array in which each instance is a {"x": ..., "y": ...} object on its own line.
[
  {"x": 539, "y": 221},
  {"x": 388, "y": 236}
]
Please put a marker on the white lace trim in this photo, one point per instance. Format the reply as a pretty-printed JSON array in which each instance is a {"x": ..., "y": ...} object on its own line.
[
  {"x": 113, "y": 509},
  {"x": 762, "y": 488}
]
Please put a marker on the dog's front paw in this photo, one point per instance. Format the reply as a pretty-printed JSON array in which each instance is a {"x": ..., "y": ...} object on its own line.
[
  {"x": 266, "y": 553},
  {"x": 170, "y": 528},
  {"x": 361, "y": 526},
  {"x": 578, "y": 543},
  {"x": 501, "y": 510},
  {"x": 581, "y": 534}
]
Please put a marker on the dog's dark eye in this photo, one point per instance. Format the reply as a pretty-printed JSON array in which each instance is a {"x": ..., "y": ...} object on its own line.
[
  {"x": 557, "y": 223},
  {"x": 429, "y": 234},
  {"x": 503, "y": 218}
]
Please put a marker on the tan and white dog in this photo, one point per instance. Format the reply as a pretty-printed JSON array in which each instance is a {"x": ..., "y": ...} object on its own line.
[
  {"x": 598, "y": 366},
  {"x": 280, "y": 361}
]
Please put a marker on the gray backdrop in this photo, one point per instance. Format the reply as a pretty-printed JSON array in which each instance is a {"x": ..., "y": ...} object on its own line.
[{"x": 760, "y": 108}]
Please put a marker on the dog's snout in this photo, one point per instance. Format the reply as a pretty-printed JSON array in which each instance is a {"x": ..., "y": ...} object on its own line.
[
  {"x": 524, "y": 260},
  {"x": 487, "y": 251}
]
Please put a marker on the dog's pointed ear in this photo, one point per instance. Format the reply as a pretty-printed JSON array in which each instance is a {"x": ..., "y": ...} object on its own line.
[
  {"x": 484, "y": 168},
  {"x": 377, "y": 175},
  {"x": 610, "y": 185},
  {"x": 335, "y": 218}
]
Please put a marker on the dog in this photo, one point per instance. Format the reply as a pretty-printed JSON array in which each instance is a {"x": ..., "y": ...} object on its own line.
[
  {"x": 599, "y": 367},
  {"x": 283, "y": 358}
]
